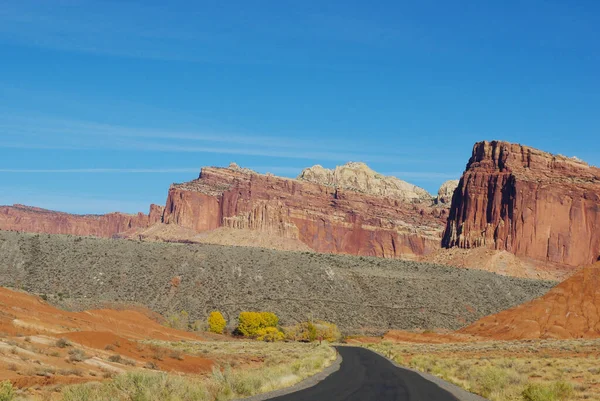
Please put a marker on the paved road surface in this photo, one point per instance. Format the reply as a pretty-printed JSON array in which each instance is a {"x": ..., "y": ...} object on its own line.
[{"x": 366, "y": 376}]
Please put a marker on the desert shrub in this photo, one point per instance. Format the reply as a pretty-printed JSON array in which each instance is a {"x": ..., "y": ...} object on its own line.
[
  {"x": 77, "y": 355},
  {"x": 119, "y": 359},
  {"x": 7, "y": 391},
  {"x": 139, "y": 386},
  {"x": 216, "y": 322},
  {"x": 179, "y": 321},
  {"x": 62, "y": 343},
  {"x": 557, "y": 391},
  {"x": 251, "y": 322},
  {"x": 490, "y": 380},
  {"x": 269, "y": 334},
  {"x": 311, "y": 331}
]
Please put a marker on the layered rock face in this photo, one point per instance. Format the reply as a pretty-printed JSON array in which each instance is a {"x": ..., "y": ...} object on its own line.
[
  {"x": 32, "y": 219},
  {"x": 528, "y": 202},
  {"x": 349, "y": 210}
]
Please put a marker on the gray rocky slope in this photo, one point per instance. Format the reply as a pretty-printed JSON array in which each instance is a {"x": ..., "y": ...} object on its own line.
[{"x": 358, "y": 293}]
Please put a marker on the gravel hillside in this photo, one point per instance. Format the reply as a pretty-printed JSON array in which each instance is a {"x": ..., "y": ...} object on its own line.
[{"x": 357, "y": 293}]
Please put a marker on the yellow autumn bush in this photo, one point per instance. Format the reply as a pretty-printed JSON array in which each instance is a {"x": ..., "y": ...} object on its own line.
[
  {"x": 250, "y": 323},
  {"x": 270, "y": 334},
  {"x": 216, "y": 322}
]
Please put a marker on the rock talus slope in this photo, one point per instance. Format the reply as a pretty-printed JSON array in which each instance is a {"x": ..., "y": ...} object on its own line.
[
  {"x": 528, "y": 202},
  {"x": 569, "y": 310},
  {"x": 32, "y": 219},
  {"x": 356, "y": 293},
  {"x": 349, "y": 210}
]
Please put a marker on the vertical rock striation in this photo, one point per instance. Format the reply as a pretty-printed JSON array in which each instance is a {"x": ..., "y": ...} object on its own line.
[
  {"x": 349, "y": 210},
  {"x": 528, "y": 202}
]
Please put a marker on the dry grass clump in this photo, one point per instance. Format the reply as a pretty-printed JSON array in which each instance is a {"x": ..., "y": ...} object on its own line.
[
  {"x": 225, "y": 383},
  {"x": 63, "y": 343},
  {"x": 77, "y": 355},
  {"x": 509, "y": 371},
  {"x": 119, "y": 359}
]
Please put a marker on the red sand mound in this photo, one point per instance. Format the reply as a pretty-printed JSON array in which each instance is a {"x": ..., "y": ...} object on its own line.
[
  {"x": 569, "y": 310},
  {"x": 107, "y": 342}
]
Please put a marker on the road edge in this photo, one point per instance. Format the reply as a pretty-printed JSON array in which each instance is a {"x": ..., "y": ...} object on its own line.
[
  {"x": 460, "y": 393},
  {"x": 304, "y": 384}
]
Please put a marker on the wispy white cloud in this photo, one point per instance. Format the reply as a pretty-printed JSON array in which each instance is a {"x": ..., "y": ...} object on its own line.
[{"x": 48, "y": 133}]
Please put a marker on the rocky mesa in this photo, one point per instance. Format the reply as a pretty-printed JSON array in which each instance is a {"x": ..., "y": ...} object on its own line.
[
  {"x": 36, "y": 220},
  {"x": 531, "y": 203},
  {"x": 351, "y": 209}
]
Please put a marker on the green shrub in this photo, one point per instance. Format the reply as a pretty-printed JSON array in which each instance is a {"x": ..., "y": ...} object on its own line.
[
  {"x": 251, "y": 322},
  {"x": 557, "y": 391},
  {"x": 216, "y": 322},
  {"x": 7, "y": 391},
  {"x": 490, "y": 380}
]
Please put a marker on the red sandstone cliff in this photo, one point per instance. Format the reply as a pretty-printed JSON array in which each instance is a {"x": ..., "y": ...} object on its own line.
[
  {"x": 32, "y": 219},
  {"x": 528, "y": 202},
  {"x": 325, "y": 217}
]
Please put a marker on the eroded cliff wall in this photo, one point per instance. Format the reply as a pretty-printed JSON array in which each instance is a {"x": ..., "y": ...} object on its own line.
[
  {"x": 326, "y": 217},
  {"x": 36, "y": 220},
  {"x": 528, "y": 202}
]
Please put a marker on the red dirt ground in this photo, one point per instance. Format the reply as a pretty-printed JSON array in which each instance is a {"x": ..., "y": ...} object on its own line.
[
  {"x": 569, "y": 310},
  {"x": 31, "y": 358}
]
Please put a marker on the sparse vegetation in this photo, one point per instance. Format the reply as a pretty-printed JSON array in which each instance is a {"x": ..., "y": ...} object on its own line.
[
  {"x": 119, "y": 359},
  {"x": 216, "y": 322},
  {"x": 365, "y": 290},
  {"x": 63, "y": 343},
  {"x": 179, "y": 321},
  {"x": 288, "y": 364},
  {"x": 77, "y": 355},
  {"x": 509, "y": 370}
]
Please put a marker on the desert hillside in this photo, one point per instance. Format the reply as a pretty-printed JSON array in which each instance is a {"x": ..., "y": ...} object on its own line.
[
  {"x": 357, "y": 293},
  {"x": 569, "y": 310}
]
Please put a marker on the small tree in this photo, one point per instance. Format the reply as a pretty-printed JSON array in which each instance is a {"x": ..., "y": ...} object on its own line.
[
  {"x": 179, "y": 321},
  {"x": 313, "y": 330},
  {"x": 250, "y": 323},
  {"x": 216, "y": 322}
]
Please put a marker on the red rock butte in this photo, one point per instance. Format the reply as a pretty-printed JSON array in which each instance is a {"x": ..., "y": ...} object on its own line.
[{"x": 528, "y": 202}]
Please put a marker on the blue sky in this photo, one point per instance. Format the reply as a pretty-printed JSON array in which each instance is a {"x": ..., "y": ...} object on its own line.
[{"x": 103, "y": 104}]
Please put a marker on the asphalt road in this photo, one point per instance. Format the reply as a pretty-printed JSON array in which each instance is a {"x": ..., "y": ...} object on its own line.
[{"x": 367, "y": 376}]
